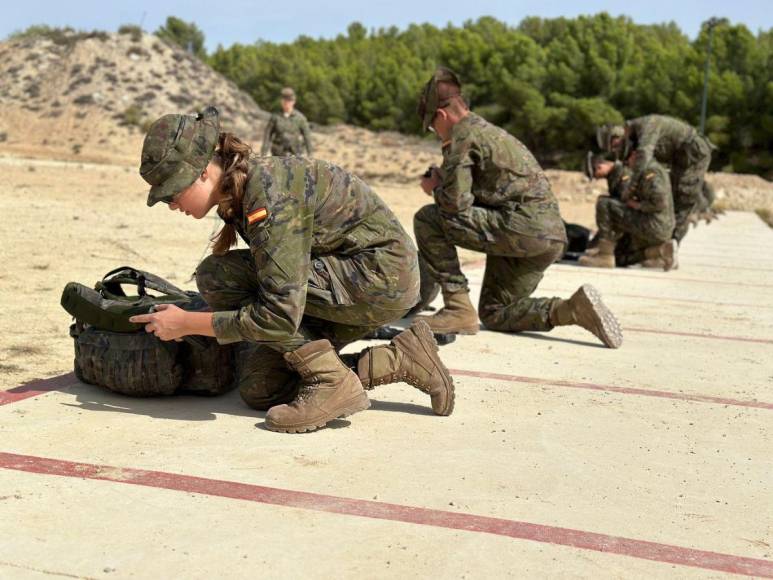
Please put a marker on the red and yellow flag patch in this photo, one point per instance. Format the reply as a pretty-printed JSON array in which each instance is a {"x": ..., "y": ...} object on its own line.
[{"x": 257, "y": 215}]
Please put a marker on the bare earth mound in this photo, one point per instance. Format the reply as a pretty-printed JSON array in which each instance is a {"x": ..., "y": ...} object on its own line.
[{"x": 88, "y": 96}]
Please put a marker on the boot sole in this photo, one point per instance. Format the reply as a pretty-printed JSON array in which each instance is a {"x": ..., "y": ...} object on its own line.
[
  {"x": 426, "y": 337},
  {"x": 350, "y": 407},
  {"x": 611, "y": 333}
]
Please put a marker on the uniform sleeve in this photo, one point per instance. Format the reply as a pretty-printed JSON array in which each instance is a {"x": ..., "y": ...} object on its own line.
[
  {"x": 281, "y": 249},
  {"x": 655, "y": 188},
  {"x": 648, "y": 134},
  {"x": 267, "y": 135},
  {"x": 454, "y": 195},
  {"x": 306, "y": 131}
]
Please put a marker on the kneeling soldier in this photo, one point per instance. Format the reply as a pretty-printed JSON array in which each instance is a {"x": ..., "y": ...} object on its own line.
[
  {"x": 641, "y": 216},
  {"x": 491, "y": 196},
  {"x": 327, "y": 263}
]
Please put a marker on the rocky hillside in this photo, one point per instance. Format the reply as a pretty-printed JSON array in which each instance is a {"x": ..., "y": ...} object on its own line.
[{"x": 88, "y": 96}]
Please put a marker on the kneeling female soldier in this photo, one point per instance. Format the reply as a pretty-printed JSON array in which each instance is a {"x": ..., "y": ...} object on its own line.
[{"x": 327, "y": 263}]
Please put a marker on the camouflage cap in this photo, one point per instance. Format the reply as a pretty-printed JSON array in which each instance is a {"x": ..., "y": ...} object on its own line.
[
  {"x": 430, "y": 100},
  {"x": 176, "y": 150},
  {"x": 605, "y": 133},
  {"x": 287, "y": 94}
]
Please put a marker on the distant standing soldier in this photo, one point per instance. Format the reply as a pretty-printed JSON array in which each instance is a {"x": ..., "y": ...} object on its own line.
[
  {"x": 644, "y": 211},
  {"x": 287, "y": 132},
  {"x": 673, "y": 143},
  {"x": 491, "y": 196},
  {"x": 326, "y": 263}
]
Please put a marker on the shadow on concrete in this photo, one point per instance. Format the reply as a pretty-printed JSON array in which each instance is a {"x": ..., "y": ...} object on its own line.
[
  {"x": 395, "y": 407},
  {"x": 554, "y": 338},
  {"x": 176, "y": 407},
  {"x": 185, "y": 407}
]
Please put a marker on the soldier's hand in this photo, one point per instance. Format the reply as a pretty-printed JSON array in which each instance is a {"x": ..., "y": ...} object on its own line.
[
  {"x": 167, "y": 322},
  {"x": 428, "y": 184},
  {"x": 633, "y": 204}
]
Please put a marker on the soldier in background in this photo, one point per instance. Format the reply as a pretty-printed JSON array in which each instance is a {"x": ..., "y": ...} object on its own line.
[
  {"x": 640, "y": 212},
  {"x": 675, "y": 144},
  {"x": 491, "y": 196},
  {"x": 287, "y": 132},
  {"x": 327, "y": 263}
]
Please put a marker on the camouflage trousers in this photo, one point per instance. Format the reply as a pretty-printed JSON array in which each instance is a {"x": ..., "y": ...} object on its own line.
[
  {"x": 515, "y": 265},
  {"x": 335, "y": 310},
  {"x": 615, "y": 219},
  {"x": 688, "y": 171}
]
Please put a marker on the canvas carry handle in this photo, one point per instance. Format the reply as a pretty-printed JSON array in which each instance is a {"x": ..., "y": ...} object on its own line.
[{"x": 112, "y": 281}]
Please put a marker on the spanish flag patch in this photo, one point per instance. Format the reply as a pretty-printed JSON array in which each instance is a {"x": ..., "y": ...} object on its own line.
[{"x": 257, "y": 215}]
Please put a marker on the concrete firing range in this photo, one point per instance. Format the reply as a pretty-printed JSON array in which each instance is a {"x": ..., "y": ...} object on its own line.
[{"x": 562, "y": 458}]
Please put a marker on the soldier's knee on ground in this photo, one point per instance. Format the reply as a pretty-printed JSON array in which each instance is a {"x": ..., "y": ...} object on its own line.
[{"x": 264, "y": 378}]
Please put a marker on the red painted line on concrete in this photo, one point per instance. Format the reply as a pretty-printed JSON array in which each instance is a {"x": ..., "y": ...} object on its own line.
[
  {"x": 615, "y": 389},
  {"x": 662, "y": 276},
  {"x": 580, "y": 539},
  {"x": 35, "y": 388},
  {"x": 700, "y": 335}
]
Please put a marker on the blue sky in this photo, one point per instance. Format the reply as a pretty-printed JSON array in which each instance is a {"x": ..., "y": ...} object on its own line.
[{"x": 244, "y": 21}]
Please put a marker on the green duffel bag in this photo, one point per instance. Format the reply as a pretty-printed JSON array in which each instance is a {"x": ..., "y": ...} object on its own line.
[{"x": 119, "y": 355}]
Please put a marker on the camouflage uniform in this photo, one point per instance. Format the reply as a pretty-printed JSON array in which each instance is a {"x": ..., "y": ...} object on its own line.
[
  {"x": 687, "y": 153},
  {"x": 327, "y": 263},
  {"x": 629, "y": 250},
  {"x": 287, "y": 135},
  {"x": 494, "y": 198},
  {"x": 652, "y": 223},
  {"x": 326, "y": 259}
]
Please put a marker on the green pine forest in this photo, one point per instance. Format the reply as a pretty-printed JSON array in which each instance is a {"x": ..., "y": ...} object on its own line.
[{"x": 548, "y": 81}]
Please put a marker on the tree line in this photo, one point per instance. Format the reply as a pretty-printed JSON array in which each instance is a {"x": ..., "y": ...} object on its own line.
[{"x": 550, "y": 82}]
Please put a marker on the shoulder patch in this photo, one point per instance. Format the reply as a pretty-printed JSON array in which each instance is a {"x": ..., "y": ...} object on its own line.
[{"x": 257, "y": 215}]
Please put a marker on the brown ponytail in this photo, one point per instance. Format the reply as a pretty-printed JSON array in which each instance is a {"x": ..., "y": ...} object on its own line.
[{"x": 232, "y": 154}]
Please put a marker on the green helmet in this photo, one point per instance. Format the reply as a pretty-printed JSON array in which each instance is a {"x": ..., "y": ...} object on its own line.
[
  {"x": 430, "y": 101},
  {"x": 176, "y": 150}
]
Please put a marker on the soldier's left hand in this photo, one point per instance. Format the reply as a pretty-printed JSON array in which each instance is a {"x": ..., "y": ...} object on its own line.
[
  {"x": 167, "y": 322},
  {"x": 428, "y": 184},
  {"x": 633, "y": 204}
]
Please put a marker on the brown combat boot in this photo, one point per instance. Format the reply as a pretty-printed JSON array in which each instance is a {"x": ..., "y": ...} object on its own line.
[
  {"x": 586, "y": 309},
  {"x": 604, "y": 257},
  {"x": 458, "y": 315},
  {"x": 411, "y": 357},
  {"x": 665, "y": 255},
  {"x": 329, "y": 389}
]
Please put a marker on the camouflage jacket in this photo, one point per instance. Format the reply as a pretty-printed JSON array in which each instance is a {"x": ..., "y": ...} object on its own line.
[
  {"x": 485, "y": 166},
  {"x": 296, "y": 210},
  {"x": 617, "y": 180},
  {"x": 658, "y": 137},
  {"x": 287, "y": 135},
  {"x": 652, "y": 189}
]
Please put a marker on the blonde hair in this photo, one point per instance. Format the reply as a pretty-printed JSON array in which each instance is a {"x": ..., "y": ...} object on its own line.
[{"x": 232, "y": 154}]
